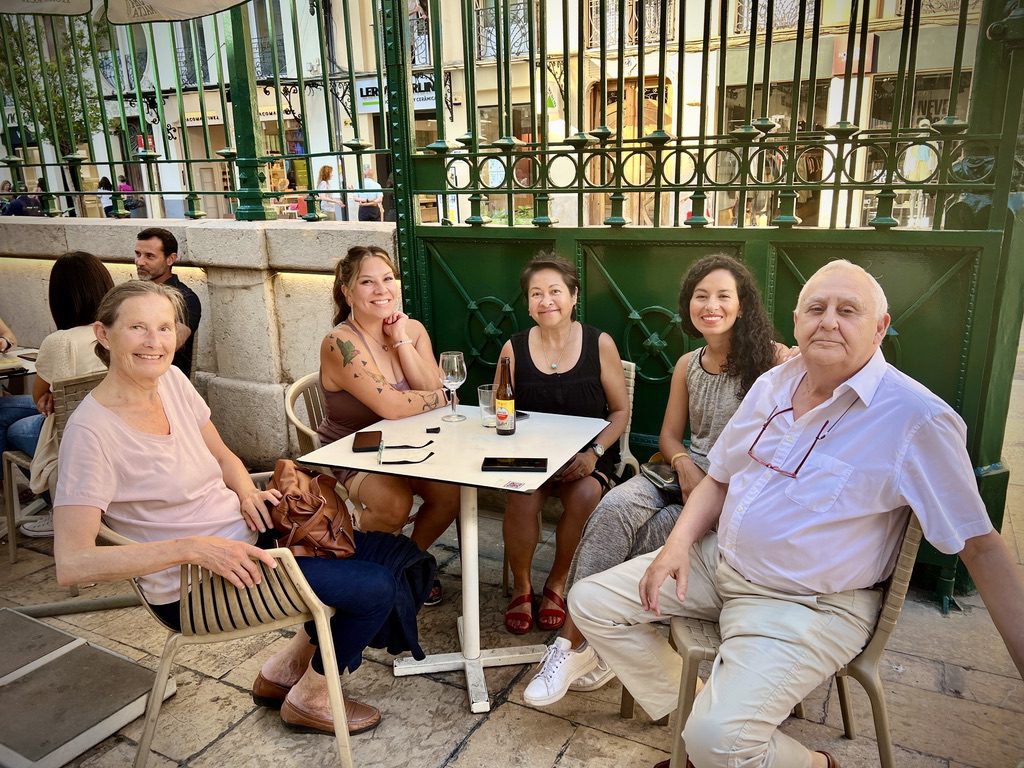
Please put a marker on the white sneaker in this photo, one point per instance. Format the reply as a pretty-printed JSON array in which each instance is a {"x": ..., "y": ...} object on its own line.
[
  {"x": 593, "y": 679},
  {"x": 559, "y": 668},
  {"x": 40, "y": 527}
]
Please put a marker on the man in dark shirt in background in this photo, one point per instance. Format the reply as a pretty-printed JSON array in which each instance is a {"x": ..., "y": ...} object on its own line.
[{"x": 156, "y": 250}]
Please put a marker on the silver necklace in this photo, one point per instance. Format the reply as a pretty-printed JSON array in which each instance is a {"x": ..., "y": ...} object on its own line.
[{"x": 554, "y": 365}]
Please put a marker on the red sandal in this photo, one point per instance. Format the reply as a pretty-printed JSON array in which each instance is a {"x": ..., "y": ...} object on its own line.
[
  {"x": 552, "y": 618},
  {"x": 515, "y": 619}
]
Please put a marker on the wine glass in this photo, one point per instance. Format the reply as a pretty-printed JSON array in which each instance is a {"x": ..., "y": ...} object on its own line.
[{"x": 453, "y": 370}]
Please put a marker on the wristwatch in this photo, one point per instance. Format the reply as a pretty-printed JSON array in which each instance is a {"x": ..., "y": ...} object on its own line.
[{"x": 598, "y": 449}]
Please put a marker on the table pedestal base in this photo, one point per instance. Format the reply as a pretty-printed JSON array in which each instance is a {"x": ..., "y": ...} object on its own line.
[{"x": 476, "y": 686}]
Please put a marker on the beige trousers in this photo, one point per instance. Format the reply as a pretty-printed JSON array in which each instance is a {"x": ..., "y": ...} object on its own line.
[{"x": 776, "y": 649}]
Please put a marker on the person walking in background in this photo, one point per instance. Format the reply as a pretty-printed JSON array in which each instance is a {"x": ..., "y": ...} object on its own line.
[
  {"x": 370, "y": 201},
  {"x": 103, "y": 190},
  {"x": 156, "y": 251},
  {"x": 123, "y": 185},
  {"x": 330, "y": 202}
]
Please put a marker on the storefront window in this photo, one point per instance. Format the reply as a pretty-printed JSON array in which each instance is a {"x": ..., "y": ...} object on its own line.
[{"x": 493, "y": 175}]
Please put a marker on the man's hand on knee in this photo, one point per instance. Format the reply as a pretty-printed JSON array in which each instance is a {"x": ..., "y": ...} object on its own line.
[{"x": 667, "y": 564}]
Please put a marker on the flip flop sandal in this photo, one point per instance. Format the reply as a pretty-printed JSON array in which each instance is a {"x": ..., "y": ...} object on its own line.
[
  {"x": 516, "y": 619},
  {"x": 552, "y": 618}
]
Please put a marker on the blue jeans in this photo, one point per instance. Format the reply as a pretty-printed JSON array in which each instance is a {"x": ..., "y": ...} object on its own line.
[{"x": 13, "y": 409}]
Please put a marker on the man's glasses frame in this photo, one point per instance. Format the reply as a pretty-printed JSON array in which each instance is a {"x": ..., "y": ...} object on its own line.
[{"x": 822, "y": 434}]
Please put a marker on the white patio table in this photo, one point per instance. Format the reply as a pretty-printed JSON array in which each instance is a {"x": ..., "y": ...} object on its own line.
[{"x": 459, "y": 449}]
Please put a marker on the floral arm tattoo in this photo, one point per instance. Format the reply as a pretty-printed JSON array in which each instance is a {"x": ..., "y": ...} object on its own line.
[{"x": 348, "y": 352}]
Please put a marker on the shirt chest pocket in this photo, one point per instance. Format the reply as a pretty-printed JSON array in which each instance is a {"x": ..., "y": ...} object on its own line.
[{"x": 819, "y": 483}]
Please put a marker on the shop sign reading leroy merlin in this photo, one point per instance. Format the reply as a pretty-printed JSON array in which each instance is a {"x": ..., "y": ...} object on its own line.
[{"x": 368, "y": 97}]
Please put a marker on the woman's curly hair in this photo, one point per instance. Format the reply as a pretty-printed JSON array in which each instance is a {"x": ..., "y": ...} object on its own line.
[{"x": 752, "y": 349}]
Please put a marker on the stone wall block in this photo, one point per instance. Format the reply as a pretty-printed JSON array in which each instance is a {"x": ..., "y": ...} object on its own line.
[
  {"x": 244, "y": 325},
  {"x": 304, "y": 312},
  {"x": 227, "y": 243},
  {"x": 303, "y": 246},
  {"x": 33, "y": 236},
  {"x": 114, "y": 239},
  {"x": 250, "y": 417}
]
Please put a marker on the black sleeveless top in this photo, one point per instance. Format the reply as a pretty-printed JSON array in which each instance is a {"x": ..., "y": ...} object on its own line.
[{"x": 575, "y": 392}]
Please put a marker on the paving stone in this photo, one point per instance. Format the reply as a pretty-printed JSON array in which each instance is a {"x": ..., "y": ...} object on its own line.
[
  {"x": 591, "y": 748},
  {"x": 985, "y": 688},
  {"x": 859, "y": 753},
  {"x": 121, "y": 754},
  {"x": 516, "y": 736},
  {"x": 940, "y": 725},
  {"x": 196, "y": 716}
]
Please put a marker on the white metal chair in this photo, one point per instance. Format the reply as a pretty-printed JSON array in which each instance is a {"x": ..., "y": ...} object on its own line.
[
  {"x": 308, "y": 388},
  {"x": 698, "y": 641},
  {"x": 627, "y": 459},
  {"x": 67, "y": 394},
  {"x": 214, "y": 611}
]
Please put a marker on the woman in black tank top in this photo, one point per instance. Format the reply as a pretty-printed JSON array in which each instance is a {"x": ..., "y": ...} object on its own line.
[{"x": 560, "y": 366}]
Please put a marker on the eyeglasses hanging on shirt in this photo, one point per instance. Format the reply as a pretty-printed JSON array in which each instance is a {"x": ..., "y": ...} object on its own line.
[
  {"x": 380, "y": 453},
  {"x": 824, "y": 432}
]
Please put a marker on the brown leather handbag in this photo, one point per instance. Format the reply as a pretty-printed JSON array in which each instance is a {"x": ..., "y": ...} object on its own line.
[{"x": 311, "y": 520}]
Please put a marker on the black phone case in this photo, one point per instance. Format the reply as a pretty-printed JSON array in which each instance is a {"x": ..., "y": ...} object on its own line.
[{"x": 516, "y": 465}]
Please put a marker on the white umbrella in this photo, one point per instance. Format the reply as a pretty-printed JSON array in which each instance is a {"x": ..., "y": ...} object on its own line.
[{"x": 122, "y": 11}]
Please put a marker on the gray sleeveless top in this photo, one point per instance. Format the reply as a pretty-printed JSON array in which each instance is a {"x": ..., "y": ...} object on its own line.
[{"x": 713, "y": 399}]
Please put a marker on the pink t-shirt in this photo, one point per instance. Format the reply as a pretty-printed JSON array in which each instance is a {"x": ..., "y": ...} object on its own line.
[{"x": 150, "y": 487}]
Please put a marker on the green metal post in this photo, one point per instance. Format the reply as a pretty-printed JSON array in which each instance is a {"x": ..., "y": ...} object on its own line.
[{"x": 248, "y": 139}]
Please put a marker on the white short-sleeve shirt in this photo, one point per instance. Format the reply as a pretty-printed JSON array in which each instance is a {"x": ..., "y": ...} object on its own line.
[{"x": 889, "y": 445}]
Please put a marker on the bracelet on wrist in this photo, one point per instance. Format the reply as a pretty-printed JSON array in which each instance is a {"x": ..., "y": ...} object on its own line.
[
  {"x": 675, "y": 456},
  {"x": 400, "y": 343}
]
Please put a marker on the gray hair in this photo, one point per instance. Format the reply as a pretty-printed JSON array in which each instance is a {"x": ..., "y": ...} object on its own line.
[
  {"x": 110, "y": 306},
  {"x": 877, "y": 294}
]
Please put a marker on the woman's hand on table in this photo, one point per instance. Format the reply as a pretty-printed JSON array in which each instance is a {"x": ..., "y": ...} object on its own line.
[
  {"x": 234, "y": 560},
  {"x": 255, "y": 510}
]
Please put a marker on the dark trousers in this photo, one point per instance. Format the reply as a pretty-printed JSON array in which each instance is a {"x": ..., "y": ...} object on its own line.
[{"x": 369, "y": 213}]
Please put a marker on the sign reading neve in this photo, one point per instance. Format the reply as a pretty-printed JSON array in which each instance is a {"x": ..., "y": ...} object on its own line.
[{"x": 368, "y": 97}]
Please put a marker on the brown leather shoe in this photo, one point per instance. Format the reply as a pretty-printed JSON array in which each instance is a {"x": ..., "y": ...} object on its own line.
[
  {"x": 829, "y": 759},
  {"x": 664, "y": 764},
  {"x": 267, "y": 693},
  {"x": 361, "y": 717}
]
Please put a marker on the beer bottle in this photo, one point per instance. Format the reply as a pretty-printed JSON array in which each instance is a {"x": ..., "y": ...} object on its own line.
[{"x": 505, "y": 400}]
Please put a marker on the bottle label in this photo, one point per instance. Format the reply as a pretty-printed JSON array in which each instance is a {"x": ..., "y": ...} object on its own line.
[{"x": 505, "y": 413}]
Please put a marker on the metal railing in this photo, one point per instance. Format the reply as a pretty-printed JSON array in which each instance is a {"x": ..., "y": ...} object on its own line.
[{"x": 702, "y": 128}]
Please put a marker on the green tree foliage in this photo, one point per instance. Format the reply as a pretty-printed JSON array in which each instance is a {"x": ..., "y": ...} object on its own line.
[{"x": 48, "y": 94}]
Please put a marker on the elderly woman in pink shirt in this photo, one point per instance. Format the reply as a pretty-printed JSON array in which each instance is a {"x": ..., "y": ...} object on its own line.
[{"x": 141, "y": 452}]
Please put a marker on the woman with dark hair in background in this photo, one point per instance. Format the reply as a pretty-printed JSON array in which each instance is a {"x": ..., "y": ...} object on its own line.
[
  {"x": 719, "y": 303},
  {"x": 378, "y": 363},
  {"x": 560, "y": 366},
  {"x": 78, "y": 282},
  {"x": 103, "y": 192}
]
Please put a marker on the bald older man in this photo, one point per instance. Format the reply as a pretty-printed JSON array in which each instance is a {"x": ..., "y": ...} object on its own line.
[{"x": 810, "y": 485}]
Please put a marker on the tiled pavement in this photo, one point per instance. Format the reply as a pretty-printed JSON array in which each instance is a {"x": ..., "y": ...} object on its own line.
[{"x": 955, "y": 699}]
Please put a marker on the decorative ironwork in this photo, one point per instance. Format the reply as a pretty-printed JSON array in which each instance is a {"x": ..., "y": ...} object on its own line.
[
  {"x": 187, "y": 69},
  {"x": 489, "y": 24},
  {"x": 785, "y": 15},
  {"x": 419, "y": 40},
  {"x": 651, "y": 10},
  {"x": 124, "y": 64},
  {"x": 263, "y": 59},
  {"x": 935, "y": 7}
]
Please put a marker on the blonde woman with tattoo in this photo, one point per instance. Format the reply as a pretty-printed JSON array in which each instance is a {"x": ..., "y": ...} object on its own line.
[{"x": 378, "y": 363}]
